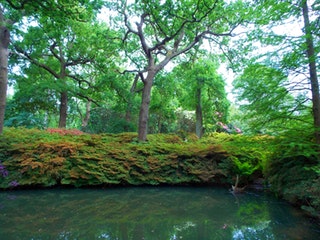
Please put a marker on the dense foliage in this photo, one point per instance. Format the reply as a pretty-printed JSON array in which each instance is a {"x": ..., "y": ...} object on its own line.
[
  {"x": 70, "y": 157},
  {"x": 293, "y": 170}
]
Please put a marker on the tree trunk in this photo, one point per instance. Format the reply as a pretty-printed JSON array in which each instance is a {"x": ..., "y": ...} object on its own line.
[
  {"x": 312, "y": 71},
  {"x": 144, "y": 109},
  {"x": 4, "y": 43},
  {"x": 63, "y": 109},
  {"x": 86, "y": 118},
  {"x": 199, "y": 119}
]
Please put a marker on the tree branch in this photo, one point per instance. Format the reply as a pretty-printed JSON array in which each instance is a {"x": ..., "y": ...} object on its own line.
[
  {"x": 37, "y": 63},
  {"x": 80, "y": 81},
  {"x": 140, "y": 34},
  {"x": 74, "y": 62},
  {"x": 88, "y": 98},
  {"x": 52, "y": 48}
]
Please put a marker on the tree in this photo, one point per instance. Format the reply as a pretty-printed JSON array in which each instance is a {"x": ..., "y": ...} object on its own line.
[
  {"x": 266, "y": 101},
  {"x": 203, "y": 91},
  {"x": 6, "y": 23},
  {"x": 4, "y": 43},
  {"x": 16, "y": 10},
  {"x": 51, "y": 46},
  {"x": 68, "y": 54},
  {"x": 163, "y": 31},
  {"x": 291, "y": 52},
  {"x": 163, "y": 105},
  {"x": 311, "y": 55},
  {"x": 28, "y": 109}
]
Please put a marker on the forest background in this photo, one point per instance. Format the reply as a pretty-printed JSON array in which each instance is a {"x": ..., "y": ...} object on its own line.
[{"x": 155, "y": 67}]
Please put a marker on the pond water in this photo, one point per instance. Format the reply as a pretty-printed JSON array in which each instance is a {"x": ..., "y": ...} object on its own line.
[{"x": 156, "y": 213}]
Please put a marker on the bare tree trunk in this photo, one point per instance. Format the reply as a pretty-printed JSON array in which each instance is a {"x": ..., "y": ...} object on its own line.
[
  {"x": 4, "y": 43},
  {"x": 63, "y": 109},
  {"x": 313, "y": 71},
  {"x": 199, "y": 119},
  {"x": 236, "y": 188},
  {"x": 144, "y": 109}
]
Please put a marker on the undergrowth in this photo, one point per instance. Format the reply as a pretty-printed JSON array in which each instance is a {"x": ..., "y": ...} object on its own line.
[{"x": 293, "y": 171}]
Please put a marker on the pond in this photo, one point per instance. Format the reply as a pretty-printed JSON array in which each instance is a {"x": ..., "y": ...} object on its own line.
[{"x": 149, "y": 213}]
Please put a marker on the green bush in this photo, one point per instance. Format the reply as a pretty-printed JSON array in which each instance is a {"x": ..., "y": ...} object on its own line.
[
  {"x": 248, "y": 155},
  {"x": 293, "y": 171},
  {"x": 48, "y": 158}
]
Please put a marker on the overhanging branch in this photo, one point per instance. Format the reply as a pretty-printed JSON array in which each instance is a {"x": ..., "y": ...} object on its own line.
[{"x": 24, "y": 54}]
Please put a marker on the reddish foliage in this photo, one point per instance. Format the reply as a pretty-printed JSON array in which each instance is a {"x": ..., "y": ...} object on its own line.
[{"x": 63, "y": 131}]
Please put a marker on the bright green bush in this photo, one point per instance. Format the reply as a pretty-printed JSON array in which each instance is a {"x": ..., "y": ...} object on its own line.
[{"x": 248, "y": 155}]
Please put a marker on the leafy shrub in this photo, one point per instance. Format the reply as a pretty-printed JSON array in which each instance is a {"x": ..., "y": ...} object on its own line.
[
  {"x": 248, "y": 155},
  {"x": 293, "y": 171},
  {"x": 41, "y": 158}
]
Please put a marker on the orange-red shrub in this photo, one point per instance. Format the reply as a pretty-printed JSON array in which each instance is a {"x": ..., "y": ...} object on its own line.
[{"x": 63, "y": 131}]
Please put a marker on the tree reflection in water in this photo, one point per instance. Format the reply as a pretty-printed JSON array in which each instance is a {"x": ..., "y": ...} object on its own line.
[{"x": 148, "y": 213}]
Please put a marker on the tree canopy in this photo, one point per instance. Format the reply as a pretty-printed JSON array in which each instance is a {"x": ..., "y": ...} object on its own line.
[{"x": 113, "y": 66}]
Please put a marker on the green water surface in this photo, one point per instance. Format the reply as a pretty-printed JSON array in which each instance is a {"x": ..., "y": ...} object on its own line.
[{"x": 164, "y": 213}]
